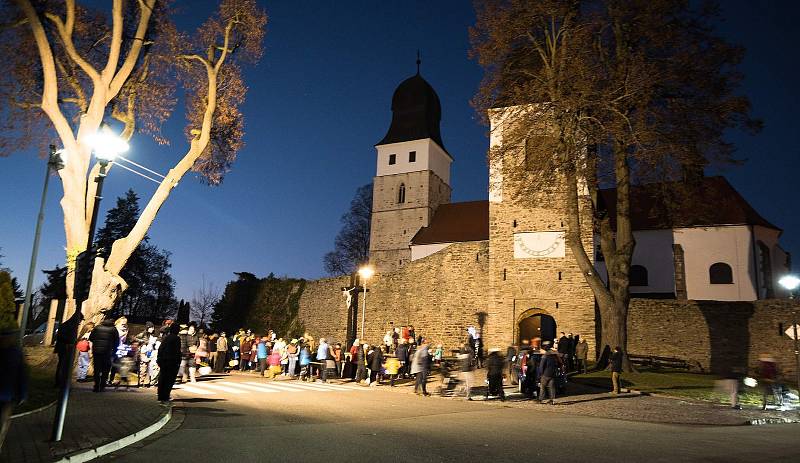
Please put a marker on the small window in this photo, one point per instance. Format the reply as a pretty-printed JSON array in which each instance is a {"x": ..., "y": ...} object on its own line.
[
  {"x": 412, "y": 156},
  {"x": 401, "y": 193},
  {"x": 392, "y": 159},
  {"x": 638, "y": 275},
  {"x": 720, "y": 274}
]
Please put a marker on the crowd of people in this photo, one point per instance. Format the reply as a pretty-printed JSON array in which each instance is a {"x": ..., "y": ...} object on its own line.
[{"x": 160, "y": 356}]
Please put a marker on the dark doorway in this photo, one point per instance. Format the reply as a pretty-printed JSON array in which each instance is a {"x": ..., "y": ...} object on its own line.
[{"x": 537, "y": 326}]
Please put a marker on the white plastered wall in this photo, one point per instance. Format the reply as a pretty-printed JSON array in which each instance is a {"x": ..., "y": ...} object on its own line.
[
  {"x": 429, "y": 157},
  {"x": 654, "y": 251},
  {"x": 424, "y": 250},
  {"x": 705, "y": 246}
]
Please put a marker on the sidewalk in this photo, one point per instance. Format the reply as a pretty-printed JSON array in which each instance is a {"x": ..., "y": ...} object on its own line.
[{"x": 92, "y": 420}]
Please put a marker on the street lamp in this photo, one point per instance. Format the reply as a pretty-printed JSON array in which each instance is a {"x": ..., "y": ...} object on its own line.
[
  {"x": 365, "y": 273},
  {"x": 790, "y": 283},
  {"x": 54, "y": 162},
  {"x": 106, "y": 146}
]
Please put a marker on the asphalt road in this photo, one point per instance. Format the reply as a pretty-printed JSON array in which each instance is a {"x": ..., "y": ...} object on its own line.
[{"x": 240, "y": 419}]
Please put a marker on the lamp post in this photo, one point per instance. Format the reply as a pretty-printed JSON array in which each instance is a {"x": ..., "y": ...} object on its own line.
[
  {"x": 790, "y": 283},
  {"x": 54, "y": 162},
  {"x": 365, "y": 273},
  {"x": 106, "y": 147}
]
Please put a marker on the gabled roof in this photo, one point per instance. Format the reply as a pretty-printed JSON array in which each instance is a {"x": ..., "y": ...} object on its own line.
[
  {"x": 456, "y": 222},
  {"x": 714, "y": 202}
]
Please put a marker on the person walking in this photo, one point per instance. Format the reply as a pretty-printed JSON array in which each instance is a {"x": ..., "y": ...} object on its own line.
[
  {"x": 465, "y": 360},
  {"x": 336, "y": 351},
  {"x": 494, "y": 374},
  {"x": 548, "y": 368},
  {"x": 616, "y": 369},
  {"x": 104, "y": 339},
  {"x": 212, "y": 350},
  {"x": 419, "y": 367},
  {"x": 581, "y": 354},
  {"x": 222, "y": 353},
  {"x": 169, "y": 360}
]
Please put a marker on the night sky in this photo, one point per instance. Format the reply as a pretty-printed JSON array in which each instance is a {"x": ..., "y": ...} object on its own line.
[{"x": 318, "y": 102}]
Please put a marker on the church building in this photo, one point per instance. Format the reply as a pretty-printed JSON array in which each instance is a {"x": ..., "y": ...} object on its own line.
[{"x": 505, "y": 267}]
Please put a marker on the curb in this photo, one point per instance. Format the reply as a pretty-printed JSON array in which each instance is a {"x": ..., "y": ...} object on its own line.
[
  {"x": 113, "y": 446},
  {"x": 37, "y": 410}
]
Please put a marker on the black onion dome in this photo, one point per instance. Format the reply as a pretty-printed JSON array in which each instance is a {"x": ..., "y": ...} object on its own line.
[{"x": 416, "y": 113}]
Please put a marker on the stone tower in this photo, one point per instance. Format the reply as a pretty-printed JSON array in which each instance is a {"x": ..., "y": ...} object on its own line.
[{"x": 413, "y": 174}]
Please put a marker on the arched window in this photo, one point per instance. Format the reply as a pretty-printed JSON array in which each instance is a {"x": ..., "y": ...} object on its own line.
[
  {"x": 401, "y": 194},
  {"x": 720, "y": 274},
  {"x": 638, "y": 275}
]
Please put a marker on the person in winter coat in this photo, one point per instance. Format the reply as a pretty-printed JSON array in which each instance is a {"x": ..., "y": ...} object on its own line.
[
  {"x": 375, "y": 365},
  {"x": 222, "y": 353},
  {"x": 323, "y": 353},
  {"x": 83, "y": 346},
  {"x": 581, "y": 354},
  {"x": 419, "y": 367},
  {"x": 305, "y": 361},
  {"x": 548, "y": 368},
  {"x": 261, "y": 354},
  {"x": 245, "y": 346},
  {"x": 189, "y": 343},
  {"x": 66, "y": 338},
  {"x": 361, "y": 356},
  {"x": 104, "y": 339},
  {"x": 402, "y": 356},
  {"x": 494, "y": 374},
  {"x": 292, "y": 351},
  {"x": 392, "y": 366},
  {"x": 616, "y": 369},
  {"x": 168, "y": 360}
]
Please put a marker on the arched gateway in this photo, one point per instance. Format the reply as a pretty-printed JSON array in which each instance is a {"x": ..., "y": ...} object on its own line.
[{"x": 535, "y": 323}]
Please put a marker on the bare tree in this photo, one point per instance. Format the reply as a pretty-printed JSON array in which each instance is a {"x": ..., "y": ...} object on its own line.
[
  {"x": 67, "y": 70},
  {"x": 351, "y": 246},
  {"x": 603, "y": 92},
  {"x": 203, "y": 302}
]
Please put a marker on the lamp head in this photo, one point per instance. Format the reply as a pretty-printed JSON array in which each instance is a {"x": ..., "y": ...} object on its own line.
[
  {"x": 790, "y": 282},
  {"x": 106, "y": 144},
  {"x": 366, "y": 271}
]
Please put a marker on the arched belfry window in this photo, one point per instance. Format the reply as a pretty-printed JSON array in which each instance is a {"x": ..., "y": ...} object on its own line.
[
  {"x": 401, "y": 194},
  {"x": 720, "y": 274},
  {"x": 638, "y": 275}
]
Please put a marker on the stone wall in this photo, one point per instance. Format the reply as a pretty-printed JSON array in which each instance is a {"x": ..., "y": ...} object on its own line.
[
  {"x": 713, "y": 334},
  {"x": 440, "y": 295}
]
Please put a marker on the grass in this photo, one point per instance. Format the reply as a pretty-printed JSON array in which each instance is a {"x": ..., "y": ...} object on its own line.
[
  {"x": 671, "y": 382},
  {"x": 41, "y": 390}
]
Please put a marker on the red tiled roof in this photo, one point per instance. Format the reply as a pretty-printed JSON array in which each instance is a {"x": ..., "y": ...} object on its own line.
[
  {"x": 715, "y": 202},
  {"x": 455, "y": 223},
  {"x": 721, "y": 205}
]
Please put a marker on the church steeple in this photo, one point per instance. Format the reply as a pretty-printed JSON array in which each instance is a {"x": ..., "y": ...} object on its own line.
[{"x": 416, "y": 112}]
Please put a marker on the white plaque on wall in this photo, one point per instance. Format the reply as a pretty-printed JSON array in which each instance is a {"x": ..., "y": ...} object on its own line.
[{"x": 535, "y": 245}]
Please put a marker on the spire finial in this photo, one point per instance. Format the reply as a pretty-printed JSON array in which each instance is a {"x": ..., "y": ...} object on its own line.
[{"x": 418, "y": 61}]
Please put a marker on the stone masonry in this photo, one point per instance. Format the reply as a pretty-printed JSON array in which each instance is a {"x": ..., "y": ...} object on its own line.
[{"x": 440, "y": 295}]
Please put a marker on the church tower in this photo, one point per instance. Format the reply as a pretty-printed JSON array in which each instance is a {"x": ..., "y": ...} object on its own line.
[{"x": 413, "y": 174}]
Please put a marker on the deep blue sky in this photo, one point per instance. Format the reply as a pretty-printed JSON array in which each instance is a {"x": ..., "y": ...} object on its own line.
[{"x": 317, "y": 104}]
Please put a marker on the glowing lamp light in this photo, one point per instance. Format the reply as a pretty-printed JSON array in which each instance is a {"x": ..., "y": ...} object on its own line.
[
  {"x": 106, "y": 144},
  {"x": 366, "y": 272},
  {"x": 790, "y": 282}
]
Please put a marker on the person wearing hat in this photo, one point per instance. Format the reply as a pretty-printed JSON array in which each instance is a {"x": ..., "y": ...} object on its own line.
[
  {"x": 169, "y": 360},
  {"x": 83, "y": 347}
]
